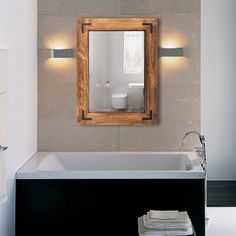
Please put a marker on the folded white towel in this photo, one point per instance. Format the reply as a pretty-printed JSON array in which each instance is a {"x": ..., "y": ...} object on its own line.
[
  {"x": 165, "y": 215},
  {"x": 165, "y": 224},
  {"x": 143, "y": 231},
  {"x": 179, "y": 217},
  {"x": 3, "y": 189}
]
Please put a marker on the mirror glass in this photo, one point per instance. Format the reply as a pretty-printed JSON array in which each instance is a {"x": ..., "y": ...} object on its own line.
[{"x": 116, "y": 71}]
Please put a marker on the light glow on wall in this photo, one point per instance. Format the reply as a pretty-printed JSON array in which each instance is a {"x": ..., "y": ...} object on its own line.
[
  {"x": 173, "y": 40},
  {"x": 58, "y": 43},
  {"x": 175, "y": 63},
  {"x": 60, "y": 63}
]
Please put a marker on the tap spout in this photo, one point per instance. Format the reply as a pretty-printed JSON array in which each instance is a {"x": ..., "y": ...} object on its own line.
[{"x": 200, "y": 136}]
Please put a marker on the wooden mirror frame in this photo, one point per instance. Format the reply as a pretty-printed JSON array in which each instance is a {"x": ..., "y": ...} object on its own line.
[{"x": 149, "y": 116}]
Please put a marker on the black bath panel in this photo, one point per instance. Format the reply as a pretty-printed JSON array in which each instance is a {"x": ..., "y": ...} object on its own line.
[{"x": 102, "y": 207}]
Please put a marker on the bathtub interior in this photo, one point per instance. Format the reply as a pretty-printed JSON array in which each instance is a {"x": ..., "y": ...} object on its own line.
[{"x": 115, "y": 162}]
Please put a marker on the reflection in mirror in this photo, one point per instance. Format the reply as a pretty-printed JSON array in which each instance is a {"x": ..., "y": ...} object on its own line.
[{"x": 116, "y": 71}]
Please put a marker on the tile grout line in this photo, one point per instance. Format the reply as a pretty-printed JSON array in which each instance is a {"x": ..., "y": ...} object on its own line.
[
  {"x": 118, "y": 14},
  {"x": 118, "y": 138},
  {"x": 119, "y": 11}
]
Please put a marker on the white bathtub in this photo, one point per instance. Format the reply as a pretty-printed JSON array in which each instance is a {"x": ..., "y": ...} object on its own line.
[{"x": 112, "y": 165}]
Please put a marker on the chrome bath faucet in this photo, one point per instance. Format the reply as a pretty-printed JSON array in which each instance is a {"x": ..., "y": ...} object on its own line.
[
  {"x": 201, "y": 151},
  {"x": 4, "y": 148}
]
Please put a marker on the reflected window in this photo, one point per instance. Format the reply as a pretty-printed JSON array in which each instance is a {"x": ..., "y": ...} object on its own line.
[{"x": 133, "y": 52}]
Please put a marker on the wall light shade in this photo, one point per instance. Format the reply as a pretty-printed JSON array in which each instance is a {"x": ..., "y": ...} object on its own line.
[
  {"x": 62, "y": 53},
  {"x": 171, "y": 52}
]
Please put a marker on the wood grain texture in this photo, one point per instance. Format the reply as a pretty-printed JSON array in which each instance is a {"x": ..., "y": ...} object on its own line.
[{"x": 150, "y": 81}]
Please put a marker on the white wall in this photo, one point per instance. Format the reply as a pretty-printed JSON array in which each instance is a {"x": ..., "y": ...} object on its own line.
[
  {"x": 221, "y": 221},
  {"x": 18, "y": 34},
  {"x": 218, "y": 85}
]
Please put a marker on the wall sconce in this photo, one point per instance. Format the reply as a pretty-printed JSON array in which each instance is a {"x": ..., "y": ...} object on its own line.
[
  {"x": 62, "y": 53},
  {"x": 171, "y": 52}
]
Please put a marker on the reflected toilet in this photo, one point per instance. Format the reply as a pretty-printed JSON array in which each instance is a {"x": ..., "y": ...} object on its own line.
[{"x": 119, "y": 101}]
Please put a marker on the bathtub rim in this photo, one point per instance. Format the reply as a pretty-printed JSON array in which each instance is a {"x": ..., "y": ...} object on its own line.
[{"x": 28, "y": 170}]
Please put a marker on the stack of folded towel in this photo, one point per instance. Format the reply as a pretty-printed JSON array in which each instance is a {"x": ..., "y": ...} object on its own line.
[{"x": 165, "y": 223}]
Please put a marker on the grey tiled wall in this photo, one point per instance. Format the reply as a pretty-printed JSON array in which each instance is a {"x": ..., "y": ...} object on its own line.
[{"x": 179, "y": 88}]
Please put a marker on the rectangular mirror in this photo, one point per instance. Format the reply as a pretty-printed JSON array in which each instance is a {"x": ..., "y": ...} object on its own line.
[{"x": 117, "y": 71}]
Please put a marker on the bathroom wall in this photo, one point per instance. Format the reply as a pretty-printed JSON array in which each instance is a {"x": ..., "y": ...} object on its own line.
[
  {"x": 178, "y": 87},
  {"x": 18, "y": 36},
  {"x": 219, "y": 86},
  {"x": 3, "y": 96}
]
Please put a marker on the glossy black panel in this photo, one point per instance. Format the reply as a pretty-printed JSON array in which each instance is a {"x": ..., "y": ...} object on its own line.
[{"x": 101, "y": 207}]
